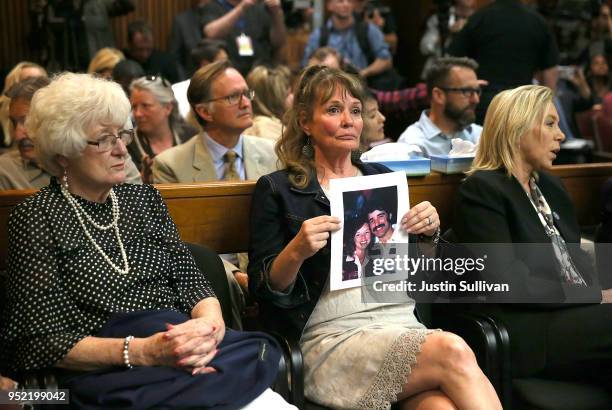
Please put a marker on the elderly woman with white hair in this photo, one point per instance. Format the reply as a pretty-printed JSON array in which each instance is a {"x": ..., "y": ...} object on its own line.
[
  {"x": 101, "y": 288},
  {"x": 159, "y": 125}
]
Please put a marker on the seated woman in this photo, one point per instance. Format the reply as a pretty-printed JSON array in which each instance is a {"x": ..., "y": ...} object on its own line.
[
  {"x": 105, "y": 60},
  {"x": 290, "y": 261},
  {"x": 159, "y": 125},
  {"x": 101, "y": 288},
  {"x": 357, "y": 240},
  {"x": 273, "y": 95},
  {"x": 509, "y": 198},
  {"x": 373, "y": 124}
]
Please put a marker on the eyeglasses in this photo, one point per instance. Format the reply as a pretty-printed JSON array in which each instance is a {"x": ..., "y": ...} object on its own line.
[
  {"x": 162, "y": 80},
  {"x": 234, "y": 98},
  {"x": 108, "y": 141},
  {"x": 466, "y": 91}
]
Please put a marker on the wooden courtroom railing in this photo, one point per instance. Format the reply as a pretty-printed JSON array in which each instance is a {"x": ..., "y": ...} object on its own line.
[{"x": 217, "y": 213}]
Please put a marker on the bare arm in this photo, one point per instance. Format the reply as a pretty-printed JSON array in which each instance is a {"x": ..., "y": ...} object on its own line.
[
  {"x": 221, "y": 27},
  {"x": 378, "y": 66}
]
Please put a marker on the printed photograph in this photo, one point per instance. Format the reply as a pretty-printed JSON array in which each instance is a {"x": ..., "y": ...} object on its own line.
[{"x": 369, "y": 208}]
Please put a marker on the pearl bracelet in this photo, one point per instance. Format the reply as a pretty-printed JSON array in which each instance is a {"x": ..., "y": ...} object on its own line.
[{"x": 126, "y": 355}]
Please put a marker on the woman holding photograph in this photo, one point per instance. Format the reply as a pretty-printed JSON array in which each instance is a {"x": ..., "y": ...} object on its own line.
[
  {"x": 290, "y": 265},
  {"x": 357, "y": 241}
]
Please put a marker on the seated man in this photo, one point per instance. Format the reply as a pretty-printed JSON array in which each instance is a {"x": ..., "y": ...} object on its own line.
[
  {"x": 141, "y": 49},
  {"x": 454, "y": 92},
  {"x": 19, "y": 168},
  {"x": 221, "y": 99}
]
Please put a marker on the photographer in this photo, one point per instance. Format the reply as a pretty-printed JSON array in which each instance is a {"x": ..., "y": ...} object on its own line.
[{"x": 375, "y": 12}]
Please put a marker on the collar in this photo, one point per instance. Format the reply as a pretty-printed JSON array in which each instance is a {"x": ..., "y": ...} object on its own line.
[
  {"x": 31, "y": 169},
  {"x": 431, "y": 130},
  {"x": 218, "y": 151}
]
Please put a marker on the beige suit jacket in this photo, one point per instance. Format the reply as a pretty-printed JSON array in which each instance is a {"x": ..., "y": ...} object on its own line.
[
  {"x": 191, "y": 161},
  {"x": 18, "y": 174}
]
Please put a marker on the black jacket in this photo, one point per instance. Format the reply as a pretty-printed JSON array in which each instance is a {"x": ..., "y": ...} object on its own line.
[
  {"x": 276, "y": 217},
  {"x": 492, "y": 209}
]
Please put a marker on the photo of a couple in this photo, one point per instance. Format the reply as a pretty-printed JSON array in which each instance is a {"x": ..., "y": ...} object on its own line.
[{"x": 370, "y": 219}]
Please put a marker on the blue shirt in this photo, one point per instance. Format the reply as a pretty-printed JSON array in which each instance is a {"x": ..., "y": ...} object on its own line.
[
  {"x": 432, "y": 141},
  {"x": 218, "y": 151},
  {"x": 347, "y": 44}
]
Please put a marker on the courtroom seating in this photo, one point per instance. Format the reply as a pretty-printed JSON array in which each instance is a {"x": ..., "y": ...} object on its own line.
[
  {"x": 490, "y": 340},
  {"x": 216, "y": 214}
]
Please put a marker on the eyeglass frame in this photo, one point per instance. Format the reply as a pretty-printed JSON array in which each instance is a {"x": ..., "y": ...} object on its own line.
[
  {"x": 248, "y": 93},
  {"x": 467, "y": 92},
  {"x": 130, "y": 134}
]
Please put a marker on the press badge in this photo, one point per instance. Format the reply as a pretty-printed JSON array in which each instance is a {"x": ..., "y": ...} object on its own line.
[{"x": 245, "y": 45}]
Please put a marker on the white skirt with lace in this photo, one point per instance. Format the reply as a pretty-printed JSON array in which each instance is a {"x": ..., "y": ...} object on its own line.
[{"x": 357, "y": 355}]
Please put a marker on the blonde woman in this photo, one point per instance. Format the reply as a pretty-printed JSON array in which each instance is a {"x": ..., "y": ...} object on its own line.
[
  {"x": 511, "y": 198},
  {"x": 20, "y": 72},
  {"x": 273, "y": 95},
  {"x": 105, "y": 60}
]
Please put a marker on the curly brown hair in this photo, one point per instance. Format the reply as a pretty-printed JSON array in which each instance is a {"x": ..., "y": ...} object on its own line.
[{"x": 316, "y": 85}]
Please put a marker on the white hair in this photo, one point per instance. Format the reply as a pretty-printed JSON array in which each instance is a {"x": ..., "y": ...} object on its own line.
[{"x": 63, "y": 114}]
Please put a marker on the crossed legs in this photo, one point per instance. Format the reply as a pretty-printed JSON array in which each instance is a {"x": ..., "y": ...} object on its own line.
[{"x": 447, "y": 376}]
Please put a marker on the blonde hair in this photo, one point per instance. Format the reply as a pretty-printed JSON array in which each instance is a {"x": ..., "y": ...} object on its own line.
[
  {"x": 105, "y": 59},
  {"x": 271, "y": 86},
  {"x": 63, "y": 113},
  {"x": 316, "y": 85},
  {"x": 12, "y": 78},
  {"x": 509, "y": 118}
]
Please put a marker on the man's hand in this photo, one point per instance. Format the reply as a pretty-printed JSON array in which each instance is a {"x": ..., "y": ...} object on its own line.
[{"x": 246, "y": 4}]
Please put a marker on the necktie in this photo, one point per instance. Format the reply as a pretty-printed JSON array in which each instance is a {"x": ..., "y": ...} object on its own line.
[{"x": 230, "y": 173}]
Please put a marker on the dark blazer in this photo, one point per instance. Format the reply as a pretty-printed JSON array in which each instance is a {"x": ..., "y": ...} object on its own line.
[
  {"x": 492, "y": 208},
  {"x": 276, "y": 217}
]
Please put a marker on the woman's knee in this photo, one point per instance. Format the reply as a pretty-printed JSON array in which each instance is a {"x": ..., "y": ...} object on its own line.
[
  {"x": 433, "y": 399},
  {"x": 452, "y": 353}
]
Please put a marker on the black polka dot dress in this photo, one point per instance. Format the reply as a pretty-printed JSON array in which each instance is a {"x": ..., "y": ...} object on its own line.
[{"x": 61, "y": 289}]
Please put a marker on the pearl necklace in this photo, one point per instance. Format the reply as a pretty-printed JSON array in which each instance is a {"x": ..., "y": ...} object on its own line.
[{"x": 78, "y": 210}]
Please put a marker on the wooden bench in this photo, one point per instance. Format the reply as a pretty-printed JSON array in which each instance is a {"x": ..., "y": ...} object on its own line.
[{"x": 217, "y": 214}]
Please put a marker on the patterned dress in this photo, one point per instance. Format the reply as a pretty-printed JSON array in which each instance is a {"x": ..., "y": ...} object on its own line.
[{"x": 62, "y": 290}]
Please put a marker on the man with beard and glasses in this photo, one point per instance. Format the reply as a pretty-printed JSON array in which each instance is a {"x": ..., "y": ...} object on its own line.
[
  {"x": 19, "y": 168},
  {"x": 454, "y": 92}
]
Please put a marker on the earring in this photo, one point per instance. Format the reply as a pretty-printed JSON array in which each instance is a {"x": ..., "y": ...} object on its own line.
[
  {"x": 65, "y": 179},
  {"x": 308, "y": 150}
]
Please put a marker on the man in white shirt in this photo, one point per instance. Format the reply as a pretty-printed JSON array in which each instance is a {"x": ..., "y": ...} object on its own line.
[{"x": 454, "y": 92}]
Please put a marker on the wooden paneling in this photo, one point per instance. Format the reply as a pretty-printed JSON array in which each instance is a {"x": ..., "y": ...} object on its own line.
[
  {"x": 15, "y": 26},
  {"x": 217, "y": 214},
  {"x": 159, "y": 13}
]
